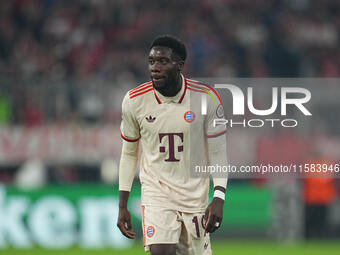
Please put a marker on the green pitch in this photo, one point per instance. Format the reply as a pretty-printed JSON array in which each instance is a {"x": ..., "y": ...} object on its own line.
[{"x": 219, "y": 248}]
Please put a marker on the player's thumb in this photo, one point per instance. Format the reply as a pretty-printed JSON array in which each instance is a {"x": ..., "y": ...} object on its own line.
[
  {"x": 206, "y": 217},
  {"x": 128, "y": 223}
]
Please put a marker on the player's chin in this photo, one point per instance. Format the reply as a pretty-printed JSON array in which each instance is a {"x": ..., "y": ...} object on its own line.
[{"x": 158, "y": 84}]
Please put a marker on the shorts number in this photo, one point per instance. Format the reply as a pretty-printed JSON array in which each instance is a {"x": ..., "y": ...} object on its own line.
[{"x": 195, "y": 221}]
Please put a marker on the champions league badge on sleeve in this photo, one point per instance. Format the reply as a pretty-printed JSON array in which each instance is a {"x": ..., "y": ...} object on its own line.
[
  {"x": 189, "y": 116},
  {"x": 219, "y": 111}
]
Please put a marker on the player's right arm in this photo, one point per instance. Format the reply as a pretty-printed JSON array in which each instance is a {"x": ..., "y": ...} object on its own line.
[{"x": 128, "y": 165}]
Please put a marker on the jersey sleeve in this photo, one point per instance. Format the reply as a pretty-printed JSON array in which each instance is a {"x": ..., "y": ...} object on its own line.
[
  {"x": 217, "y": 148},
  {"x": 128, "y": 165},
  {"x": 215, "y": 111},
  {"x": 129, "y": 128}
]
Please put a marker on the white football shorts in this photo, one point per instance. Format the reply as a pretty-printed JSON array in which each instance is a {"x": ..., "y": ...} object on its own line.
[{"x": 166, "y": 226}]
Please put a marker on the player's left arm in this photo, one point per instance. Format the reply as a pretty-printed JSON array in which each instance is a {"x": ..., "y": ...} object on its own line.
[{"x": 217, "y": 155}]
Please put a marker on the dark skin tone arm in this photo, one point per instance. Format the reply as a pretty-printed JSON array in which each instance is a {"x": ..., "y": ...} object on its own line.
[
  {"x": 213, "y": 214},
  {"x": 124, "y": 216}
]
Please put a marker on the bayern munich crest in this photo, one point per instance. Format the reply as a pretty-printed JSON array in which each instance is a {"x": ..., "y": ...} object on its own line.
[
  {"x": 189, "y": 116},
  {"x": 150, "y": 231}
]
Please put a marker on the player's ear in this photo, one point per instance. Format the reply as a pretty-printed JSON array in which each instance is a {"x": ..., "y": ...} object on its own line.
[{"x": 180, "y": 65}]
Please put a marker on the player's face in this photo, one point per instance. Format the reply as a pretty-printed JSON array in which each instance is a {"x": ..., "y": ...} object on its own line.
[{"x": 163, "y": 68}]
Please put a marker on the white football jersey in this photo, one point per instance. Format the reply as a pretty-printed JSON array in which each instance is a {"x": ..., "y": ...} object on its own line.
[{"x": 173, "y": 134}]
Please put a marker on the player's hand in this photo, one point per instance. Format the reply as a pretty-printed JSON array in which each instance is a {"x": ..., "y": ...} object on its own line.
[
  {"x": 213, "y": 215},
  {"x": 124, "y": 223}
]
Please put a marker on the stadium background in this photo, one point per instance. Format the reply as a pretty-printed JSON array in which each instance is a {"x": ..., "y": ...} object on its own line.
[{"x": 64, "y": 66}]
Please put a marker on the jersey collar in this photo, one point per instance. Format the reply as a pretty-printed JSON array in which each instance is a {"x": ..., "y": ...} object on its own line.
[{"x": 175, "y": 99}]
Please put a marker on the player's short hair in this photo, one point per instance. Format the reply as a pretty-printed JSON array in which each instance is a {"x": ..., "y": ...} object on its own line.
[{"x": 177, "y": 46}]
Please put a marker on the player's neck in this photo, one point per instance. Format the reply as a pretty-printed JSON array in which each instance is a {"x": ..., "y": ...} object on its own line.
[{"x": 171, "y": 90}]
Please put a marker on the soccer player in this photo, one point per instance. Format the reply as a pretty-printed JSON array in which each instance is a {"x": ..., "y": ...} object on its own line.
[{"x": 175, "y": 136}]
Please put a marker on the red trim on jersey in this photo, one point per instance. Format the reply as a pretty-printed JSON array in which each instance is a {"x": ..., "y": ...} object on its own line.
[
  {"x": 197, "y": 90},
  {"x": 143, "y": 221},
  {"x": 140, "y": 86},
  {"x": 157, "y": 98},
  {"x": 185, "y": 90},
  {"x": 138, "y": 90},
  {"x": 205, "y": 85},
  {"x": 141, "y": 93},
  {"x": 128, "y": 139},
  {"x": 217, "y": 134},
  {"x": 181, "y": 99}
]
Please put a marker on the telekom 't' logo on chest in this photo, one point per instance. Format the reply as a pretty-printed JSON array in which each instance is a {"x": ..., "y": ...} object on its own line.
[{"x": 172, "y": 137}]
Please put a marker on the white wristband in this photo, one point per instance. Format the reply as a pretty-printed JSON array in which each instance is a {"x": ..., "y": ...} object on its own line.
[{"x": 219, "y": 194}]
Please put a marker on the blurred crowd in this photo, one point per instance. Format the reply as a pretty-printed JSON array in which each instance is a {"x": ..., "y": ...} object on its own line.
[{"x": 68, "y": 60}]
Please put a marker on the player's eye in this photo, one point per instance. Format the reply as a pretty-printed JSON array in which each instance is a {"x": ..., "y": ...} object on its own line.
[
  {"x": 151, "y": 61},
  {"x": 164, "y": 61}
]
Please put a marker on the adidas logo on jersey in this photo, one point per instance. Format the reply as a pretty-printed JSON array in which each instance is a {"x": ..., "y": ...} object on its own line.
[{"x": 150, "y": 119}]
